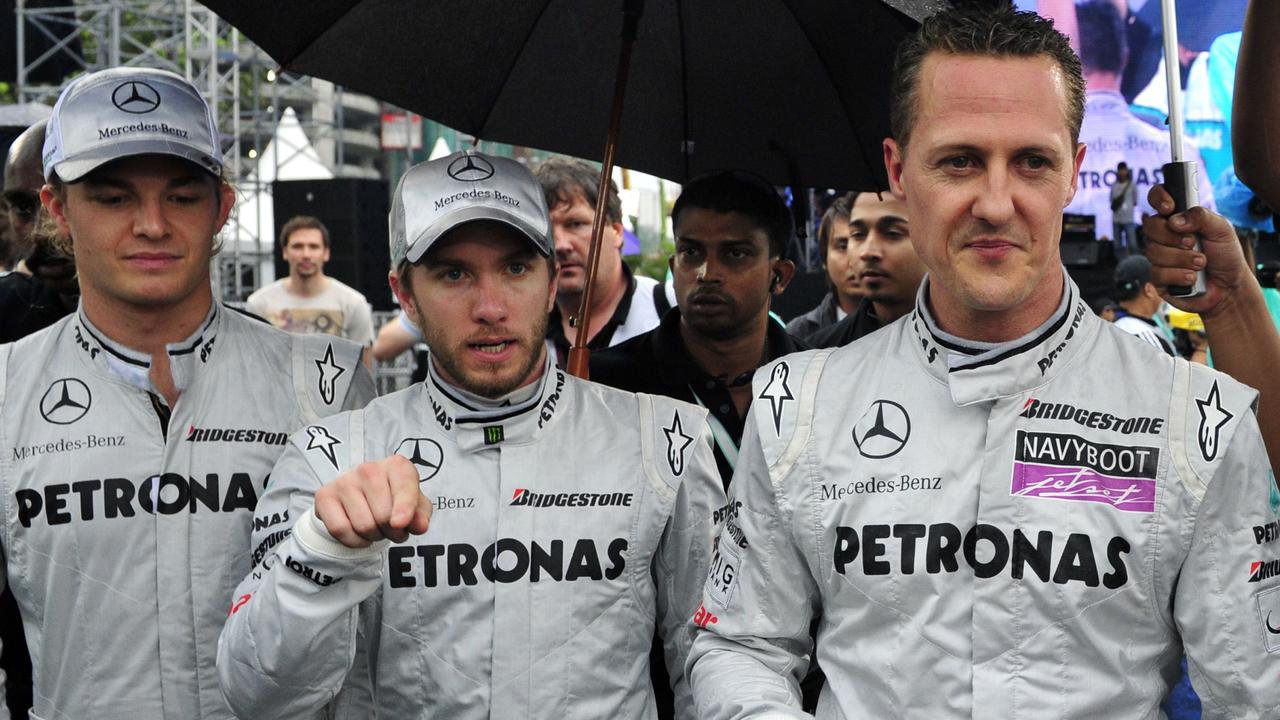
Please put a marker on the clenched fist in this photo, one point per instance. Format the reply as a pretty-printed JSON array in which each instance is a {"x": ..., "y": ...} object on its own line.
[{"x": 375, "y": 501}]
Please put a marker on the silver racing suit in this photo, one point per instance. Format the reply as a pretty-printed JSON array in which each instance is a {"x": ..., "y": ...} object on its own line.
[
  {"x": 1037, "y": 530},
  {"x": 566, "y": 527},
  {"x": 125, "y": 522}
]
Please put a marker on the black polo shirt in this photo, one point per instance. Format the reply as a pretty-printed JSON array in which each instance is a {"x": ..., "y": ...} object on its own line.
[
  {"x": 659, "y": 363},
  {"x": 27, "y": 306}
]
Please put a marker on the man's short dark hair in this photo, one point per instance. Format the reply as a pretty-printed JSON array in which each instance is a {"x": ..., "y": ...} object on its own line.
[
  {"x": 564, "y": 179},
  {"x": 1103, "y": 43},
  {"x": 302, "y": 222},
  {"x": 742, "y": 192},
  {"x": 990, "y": 28},
  {"x": 840, "y": 209}
]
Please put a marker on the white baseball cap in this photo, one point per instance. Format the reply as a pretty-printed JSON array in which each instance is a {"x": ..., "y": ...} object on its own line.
[
  {"x": 436, "y": 196},
  {"x": 121, "y": 112}
]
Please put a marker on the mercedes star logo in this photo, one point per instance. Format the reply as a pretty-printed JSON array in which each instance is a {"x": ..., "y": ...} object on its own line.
[
  {"x": 470, "y": 168},
  {"x": 66, "y": 401},
  {"x": 882, "y": 430},
  {"x": 135, "y": 97},
  {"x": 425, "y": 453}
]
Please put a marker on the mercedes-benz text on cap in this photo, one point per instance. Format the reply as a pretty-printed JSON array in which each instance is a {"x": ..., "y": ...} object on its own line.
[
  {"x": 121, "y": 112},
  {"x": 437, "y": 196}
]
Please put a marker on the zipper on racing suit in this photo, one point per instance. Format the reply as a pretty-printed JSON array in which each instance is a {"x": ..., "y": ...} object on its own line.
[{"x": 163, "y": 412}]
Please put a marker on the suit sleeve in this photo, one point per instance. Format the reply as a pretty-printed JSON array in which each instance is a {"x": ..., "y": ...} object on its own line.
[
  {"x": 291, "y": 635},
  {"x": 751, "y": 646},
  {"x": 1228, "y": 595},
  {"x": 682, "y": 562}
]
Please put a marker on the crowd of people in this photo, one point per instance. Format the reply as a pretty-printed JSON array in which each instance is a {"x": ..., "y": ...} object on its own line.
[{"x": 950, "y": 489}]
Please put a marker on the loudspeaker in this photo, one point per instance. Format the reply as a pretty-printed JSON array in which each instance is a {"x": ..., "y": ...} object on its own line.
[
  {"x": 355, "y": 211},
  {"x": 1079, "y": 228},
  {"x": 1080, "y": 253}
]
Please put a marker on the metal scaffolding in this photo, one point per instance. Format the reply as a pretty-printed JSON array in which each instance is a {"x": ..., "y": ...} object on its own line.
[{"x": 239, "y": 81}]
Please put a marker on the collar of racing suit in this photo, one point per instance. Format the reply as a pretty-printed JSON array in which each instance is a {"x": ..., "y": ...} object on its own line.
[
  {"x": 516, "y": 419},
  {"x": 133, "y": 367},
  {"x": 977, "y": 372}
]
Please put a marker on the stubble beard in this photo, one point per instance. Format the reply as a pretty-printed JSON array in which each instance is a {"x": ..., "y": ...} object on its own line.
[{"x": 485, "y": 385}]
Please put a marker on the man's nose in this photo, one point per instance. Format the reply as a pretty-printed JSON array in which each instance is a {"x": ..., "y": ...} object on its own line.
[
  {"x": 148, "y": 220},
  {"x": 491, "y": 304},
  {"x": 994, "y": 203},
  {"x": 561, "y": 238}
]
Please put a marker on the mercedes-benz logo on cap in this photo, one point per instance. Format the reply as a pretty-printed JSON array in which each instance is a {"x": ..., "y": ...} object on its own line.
[
  {"x": 424, "y": 453},
  {"x": 66, "y": 401},
  {"x": 882, "y": 430},
  {"x": 470, "y": 168},
  {"x": 135, "y": 97}
]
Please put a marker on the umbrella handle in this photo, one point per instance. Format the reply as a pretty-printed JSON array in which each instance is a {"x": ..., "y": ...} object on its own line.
[
  {"x": 1180, "y": 181},
  {"x": 1180, "y": 174},
  {"x": 579, "y": 354}
]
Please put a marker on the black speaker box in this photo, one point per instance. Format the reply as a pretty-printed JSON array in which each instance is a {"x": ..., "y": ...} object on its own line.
[
  {"x": 355, "y": 211},
  {"x": 1079, "y": 228},
  {"x": 1080, "y": 253}
]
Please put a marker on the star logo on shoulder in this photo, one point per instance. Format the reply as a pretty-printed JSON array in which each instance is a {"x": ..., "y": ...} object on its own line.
[
  {"x": 677, "y": 442},
  {"x": 778, "y": 394},
  {"x": 1213, "y": 417},
  {"x": 324, "y": 442},
  {"x": 330, "y": 371}
]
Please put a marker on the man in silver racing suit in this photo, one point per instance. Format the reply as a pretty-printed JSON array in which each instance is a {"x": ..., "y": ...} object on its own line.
[
  {"x": 999, "y": 506},
  {"x": 569, "y": 518},
  {"x": 137, "y": 433}
]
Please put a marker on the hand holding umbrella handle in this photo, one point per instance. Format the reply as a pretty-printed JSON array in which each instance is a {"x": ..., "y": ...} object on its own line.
[{"x": 1180, "y": 182}]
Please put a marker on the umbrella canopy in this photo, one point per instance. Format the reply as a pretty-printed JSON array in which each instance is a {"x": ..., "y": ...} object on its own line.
[{"x": 795, "y": 90}]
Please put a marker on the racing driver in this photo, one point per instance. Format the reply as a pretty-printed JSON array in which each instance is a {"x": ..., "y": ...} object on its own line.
[
  {"x": 138, "y": 432},
  {"x": 570, "y": 519},
  {"x": 1000, "y": 506}
]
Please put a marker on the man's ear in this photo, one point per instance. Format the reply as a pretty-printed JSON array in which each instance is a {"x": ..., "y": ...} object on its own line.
[
  {"x": 894, "y": 159},
  {"x": 57, "y": 209},
  {"x": 554, "y": 285},
  {"x": 783, "y": 271},
  {"x": 226, "y": 203},
  {"x": 1076, "y": 163},
  {"x": 403, "y": 294},
  {"x": 621, "y": 238}
]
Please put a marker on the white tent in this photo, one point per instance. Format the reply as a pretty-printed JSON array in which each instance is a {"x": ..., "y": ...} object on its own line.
[
  {"x": 287, "y": 156},
  {"x": 440, "y": 149}
]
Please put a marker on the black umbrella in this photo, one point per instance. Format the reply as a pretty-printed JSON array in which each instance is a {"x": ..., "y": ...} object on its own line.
[{"x": 795, "y": 90}]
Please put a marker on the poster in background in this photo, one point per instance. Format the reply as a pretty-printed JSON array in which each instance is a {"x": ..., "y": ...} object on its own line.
[{"x": 1127, "y": 102}]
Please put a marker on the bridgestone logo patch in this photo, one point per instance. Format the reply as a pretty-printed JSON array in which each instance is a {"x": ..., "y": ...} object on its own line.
[{"x": 573, "y": 499}]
